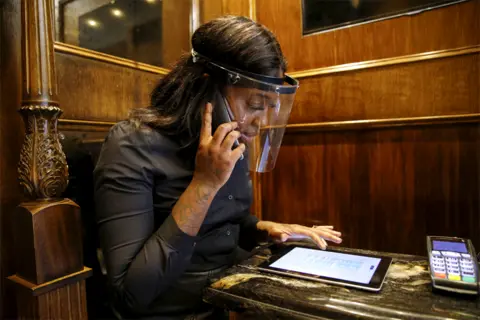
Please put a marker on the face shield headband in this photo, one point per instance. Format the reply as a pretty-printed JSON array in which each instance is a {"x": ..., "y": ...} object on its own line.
[{"x": 261, "y": 106}]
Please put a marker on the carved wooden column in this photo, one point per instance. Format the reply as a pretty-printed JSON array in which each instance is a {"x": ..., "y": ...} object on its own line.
[{"x": 50, "y": 276}]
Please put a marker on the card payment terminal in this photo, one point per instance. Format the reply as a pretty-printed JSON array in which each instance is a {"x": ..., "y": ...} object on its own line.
[{"x": 453, "y": 264}]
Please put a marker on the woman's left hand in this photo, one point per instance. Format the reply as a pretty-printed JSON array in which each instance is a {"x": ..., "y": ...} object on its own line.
[{"x": 280, "y": 232}]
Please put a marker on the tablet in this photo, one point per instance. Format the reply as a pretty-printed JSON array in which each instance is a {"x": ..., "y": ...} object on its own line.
[{"x": 347, "y": 269}]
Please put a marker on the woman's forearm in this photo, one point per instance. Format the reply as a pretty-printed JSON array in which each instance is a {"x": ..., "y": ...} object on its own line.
[{"x": 192, "y": 207}]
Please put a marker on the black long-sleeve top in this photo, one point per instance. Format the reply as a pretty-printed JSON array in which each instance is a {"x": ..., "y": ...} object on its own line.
[{"x": 139, "y": 176}]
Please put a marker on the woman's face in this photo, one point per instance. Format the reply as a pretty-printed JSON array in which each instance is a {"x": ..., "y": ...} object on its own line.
[{"x": 250, "y": 108}]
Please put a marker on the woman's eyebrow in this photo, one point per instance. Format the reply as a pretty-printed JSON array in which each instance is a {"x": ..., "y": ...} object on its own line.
[{"x": 264, "y": 96}]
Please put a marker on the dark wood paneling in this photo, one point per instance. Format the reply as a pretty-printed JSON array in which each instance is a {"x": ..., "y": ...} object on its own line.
[
  {"x": 55, "y": 304},
  {"x": 444, "y": 28},
  {"x": 428, "y": 88},
  {"x": 383, "y": 189},
  {"x": 94, "y": 90},
  {"x": 11, "y": 135}
]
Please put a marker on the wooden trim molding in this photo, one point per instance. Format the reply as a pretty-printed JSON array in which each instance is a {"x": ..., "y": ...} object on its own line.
[
  {"x": 83, "y": 125},
  {"x": 256, "y": 209},
  {"x": 66, "y": 122},
  {"x": 252, "y": 9},
  {"x": 386, "y": 62},
  {"x": 383, "y": 123},
  {"x": 88, "y": 125},
  {"x": 39, "y": 289},
  {"x": 194, "y": 16},
  {"x": 99, "y": 56},
  {"x": 93, "y": 141}
]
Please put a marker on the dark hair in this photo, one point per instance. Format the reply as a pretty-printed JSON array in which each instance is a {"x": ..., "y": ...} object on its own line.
[{"x": 176, "y": 102}]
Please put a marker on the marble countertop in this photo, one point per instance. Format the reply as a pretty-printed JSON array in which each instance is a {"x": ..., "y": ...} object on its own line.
[{"x": 406, "y": 294}]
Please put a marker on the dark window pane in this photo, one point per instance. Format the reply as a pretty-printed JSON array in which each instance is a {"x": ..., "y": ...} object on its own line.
[
  {"x": 322, "y": 15},
  {"x": 139, "y": 30},
  {"x": 121, "y": 29}
]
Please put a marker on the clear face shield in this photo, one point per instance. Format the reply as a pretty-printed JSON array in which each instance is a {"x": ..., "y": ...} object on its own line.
[{"x": 261, "y": 106}]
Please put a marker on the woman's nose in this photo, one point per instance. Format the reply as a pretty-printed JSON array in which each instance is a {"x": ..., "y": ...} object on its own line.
[{"x": 257, "y": 122}]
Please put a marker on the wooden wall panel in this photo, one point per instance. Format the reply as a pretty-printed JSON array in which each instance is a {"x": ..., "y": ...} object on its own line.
[
  {"x": 429, "y": 88},
  {"x": 211, "y": 9},
  {"x": 95, "y": 90},
  {"x": 175, "y": 30},
  {"x": 384, "y": 189},
  {"x": 236, "y": 7},
  {"x": 449, "y": 27},
  {"x": 11, "y": 138}
]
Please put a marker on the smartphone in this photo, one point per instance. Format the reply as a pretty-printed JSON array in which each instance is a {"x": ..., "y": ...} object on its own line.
[{"x": 222, "y": 113}]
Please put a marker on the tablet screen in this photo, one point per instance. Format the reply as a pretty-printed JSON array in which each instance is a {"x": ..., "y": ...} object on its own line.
[{"x": 329, "y": 264}]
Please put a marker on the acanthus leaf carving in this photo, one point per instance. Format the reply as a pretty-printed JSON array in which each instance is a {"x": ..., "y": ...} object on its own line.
[{"x": 43, "y": 169}]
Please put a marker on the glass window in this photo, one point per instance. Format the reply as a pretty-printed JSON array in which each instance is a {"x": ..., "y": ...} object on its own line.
[
  {"x": 140, "y": 30},
  {"x": 323, "y": 15}
]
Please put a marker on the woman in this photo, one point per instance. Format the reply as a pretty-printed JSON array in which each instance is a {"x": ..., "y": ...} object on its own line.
[{"x": 171, "y": 184}]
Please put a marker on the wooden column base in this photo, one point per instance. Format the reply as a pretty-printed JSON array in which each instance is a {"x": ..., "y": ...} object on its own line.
[{"x": 63, "y": 298}]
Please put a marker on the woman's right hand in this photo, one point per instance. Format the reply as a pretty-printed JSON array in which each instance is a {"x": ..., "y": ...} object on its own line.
[{"x": 215, "y": 158}]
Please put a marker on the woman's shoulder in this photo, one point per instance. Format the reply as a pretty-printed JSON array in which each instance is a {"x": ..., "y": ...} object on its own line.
[
  {"x": 133, "y": 145},
  {"x": 129, "y": 133}
]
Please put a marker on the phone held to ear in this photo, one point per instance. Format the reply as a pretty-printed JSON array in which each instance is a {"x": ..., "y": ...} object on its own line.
[{"x": 223, "y": 114}]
